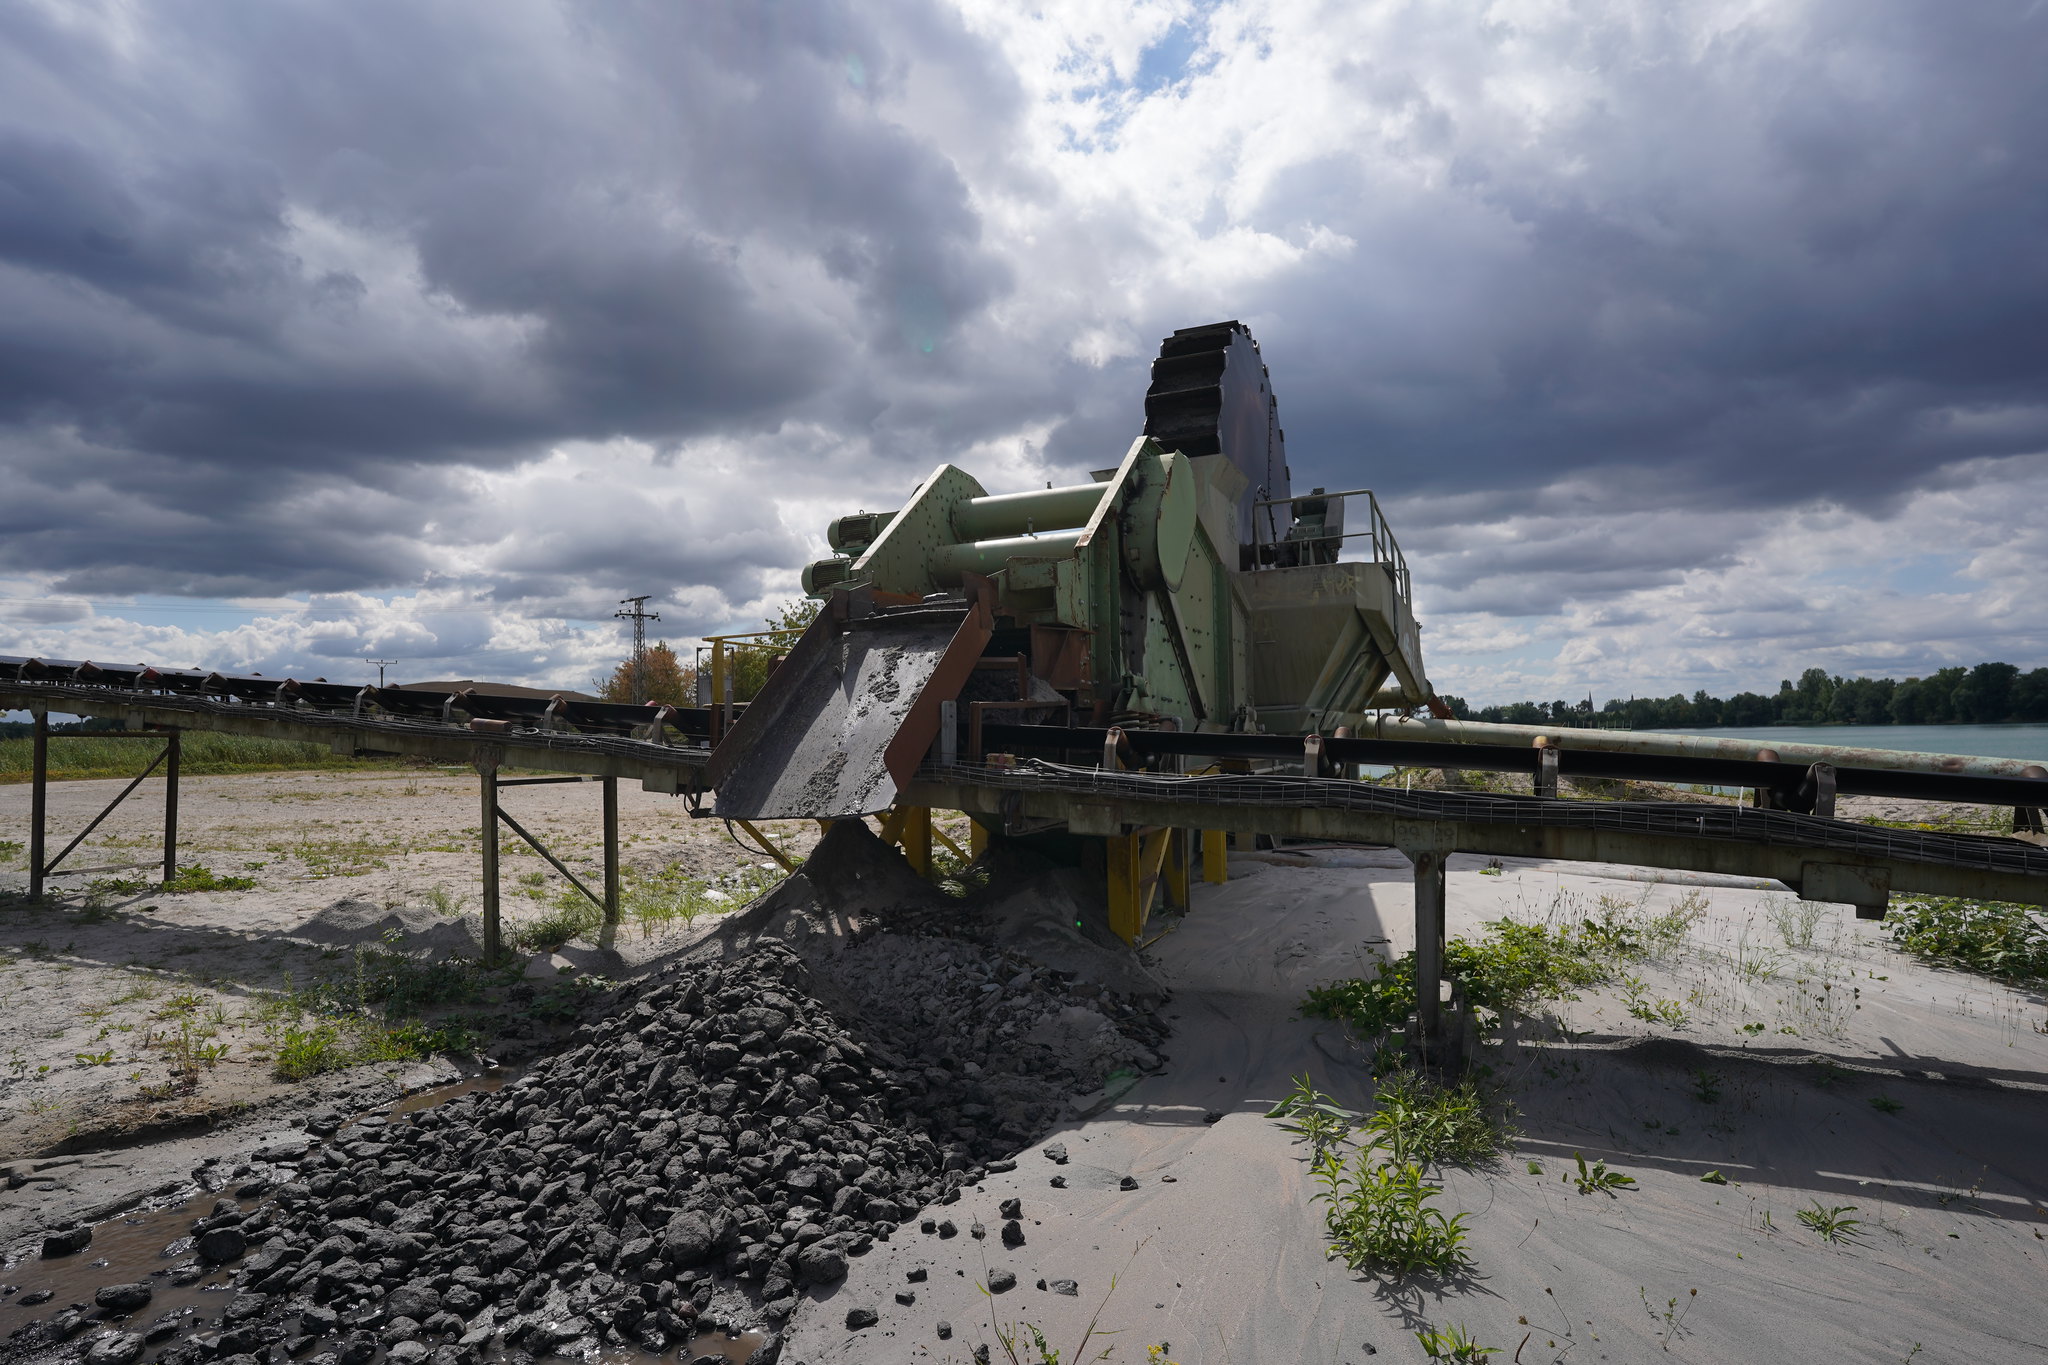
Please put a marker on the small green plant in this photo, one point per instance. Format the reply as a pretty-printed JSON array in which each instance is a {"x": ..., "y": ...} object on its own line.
[
  {"x": 304, "y": 1052},
  {"x": 1830, "y": 1224},
  {"x": 198, "y": 877},
  {"x": 1598, "y": 1178},
  {"x": 569, "y": 919},
  {"x": 96, "y": 1058},
  {"x": 1672, "y": 1316},
  {"x": 1452, "y": 1342},
  {"x": 9, "y": 850},
  {"x": 1314, "y": 1117},
  {"x": 1380, "y": 1220},
  {"x": 1706, "y": 1086},
  {"x": 1535, "y": 1168},
  {"x": 1422, "y": 1120},
  {"x": 1885, "y": 1104},
  {"x": 1713, "y": 1178},
  {"x": 1794, "y": 920},
  {"x": 1667, "y": 1012}
]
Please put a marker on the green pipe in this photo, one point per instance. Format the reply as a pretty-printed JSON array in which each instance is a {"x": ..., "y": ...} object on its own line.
[
  {"x": 1035, "y": 512},
  {"x": 989, "y": 556}
]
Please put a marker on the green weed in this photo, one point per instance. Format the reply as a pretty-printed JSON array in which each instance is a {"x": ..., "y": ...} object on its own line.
[
  {"x": 1426, "y": 1121},
  {"x": 1598, "y": 1178},
  {"x": 1885, "y": 1104},
  {"x": 1795, "y": 920},
  {"x": 1452, "y": 1342},
  {"x": 1314, "y": 1117},
  {"x": 1380, "y": 1220},
  {"x": 1508, "y": 971},
  {"x": 1830, "y": 1224},
  {"x": 1994, "y": 938}
]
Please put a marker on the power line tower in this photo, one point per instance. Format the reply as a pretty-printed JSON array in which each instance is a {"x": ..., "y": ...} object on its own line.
[
  {"x": 639, "y": 617},
  {"x": 380, "y": 668}
]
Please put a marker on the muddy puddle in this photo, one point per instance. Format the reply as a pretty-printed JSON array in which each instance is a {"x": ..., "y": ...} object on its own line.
[
  {"x": 149, "y": 1248},
  {"x": 156, "y": 1248}
]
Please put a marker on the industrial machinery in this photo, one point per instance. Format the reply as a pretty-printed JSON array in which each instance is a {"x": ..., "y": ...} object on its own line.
[
  {"x": 1184, "y": 589},
  {"x": 1119, "y": 670}
]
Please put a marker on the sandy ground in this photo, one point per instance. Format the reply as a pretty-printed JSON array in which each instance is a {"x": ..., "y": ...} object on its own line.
[
  {"x": 1799, "y": 1015},
  {"x": 1218, "y": 1252},
  {"x": 96, "y": 982}
]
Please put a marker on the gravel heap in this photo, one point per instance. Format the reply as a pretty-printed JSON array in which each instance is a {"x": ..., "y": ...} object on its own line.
[{"x": 725, "y": 1138}]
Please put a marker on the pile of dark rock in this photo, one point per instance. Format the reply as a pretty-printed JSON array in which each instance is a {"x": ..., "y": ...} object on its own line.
[{"x": 720, "y": 1142}]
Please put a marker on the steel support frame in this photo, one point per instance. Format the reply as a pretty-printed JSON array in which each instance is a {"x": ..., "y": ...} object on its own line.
[
  {"x": 1139, "y": 863},
  {"x": 41, "y": 867},
  {"x": 493, "y": 813}
]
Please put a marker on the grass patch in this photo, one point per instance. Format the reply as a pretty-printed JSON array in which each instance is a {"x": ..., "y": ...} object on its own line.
[
  {"x": 368, "y": 1012},
  {"x": 659, "y": 901},
  {"x": 201, "y": 753},
  {"x": 1993, "y": 938},
  {"x": 199, "y": 877}
]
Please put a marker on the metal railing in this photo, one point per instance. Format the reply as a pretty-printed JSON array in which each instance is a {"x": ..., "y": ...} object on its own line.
[{"x": 1303, "y": 544}]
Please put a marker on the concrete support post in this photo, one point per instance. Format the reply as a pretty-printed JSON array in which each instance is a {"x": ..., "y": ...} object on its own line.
[
  {"x": 1546, "y": 771},
  {"x": 493, "y": 939},
  {"x": 611, "y": 850},
  {"x": 1429, "y": 945},
  {"x": 172, "y": 753},
  {"x": 38, "y": 804}
]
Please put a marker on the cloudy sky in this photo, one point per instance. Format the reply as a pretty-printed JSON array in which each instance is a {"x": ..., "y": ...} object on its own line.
[{"x": 1687, "y": 345}]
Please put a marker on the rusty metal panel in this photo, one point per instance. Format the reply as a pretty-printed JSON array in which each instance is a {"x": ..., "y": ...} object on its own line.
[{"x": 843, "y": 724}]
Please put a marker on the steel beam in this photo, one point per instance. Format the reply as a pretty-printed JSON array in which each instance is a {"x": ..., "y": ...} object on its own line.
[
  {"x": 487, "y": 770},
  {"x": 173, "y": 753},
  {"x": 611, "y": 850},
  {"x": 1779, "y": 861},
  {"x": 656, "y": 767},
  {"x": 38, "y": 802}
]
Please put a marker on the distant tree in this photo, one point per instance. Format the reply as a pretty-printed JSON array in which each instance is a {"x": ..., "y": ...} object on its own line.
[
  {"x": 752, "y": 663},
  {"x": 669, "y": 680},
  {"x": 1984, "y": 695},
  {"x": 2030, "y": 696}
]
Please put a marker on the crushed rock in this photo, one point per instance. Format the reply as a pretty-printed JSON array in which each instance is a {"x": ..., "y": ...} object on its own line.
[{"x": 735, "y": 1127}]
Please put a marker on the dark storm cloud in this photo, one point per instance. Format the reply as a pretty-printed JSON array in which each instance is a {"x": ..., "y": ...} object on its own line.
[
  {"x": 570, "y": 225},
  {"x": 1775, "y": 268}
]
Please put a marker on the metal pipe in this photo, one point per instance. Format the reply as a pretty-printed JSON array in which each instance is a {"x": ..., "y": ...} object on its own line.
[
  {"x": 1016, "y": 514},
  {"x": 1697, "y": 746},
  {"x": 989, "y": 556}
]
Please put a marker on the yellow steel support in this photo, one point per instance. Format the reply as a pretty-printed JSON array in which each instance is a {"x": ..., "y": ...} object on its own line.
[
  {"x": 1136, "y": 862},
  {"x": 768, "y": 845},
  {"x": 911, "y": 828},
  {"x": 977, "y": 838},
  {"x": 917, "y": 839},
  {"x": 947, "y": 840},
  {"x": 1215, "y": 857},
  {"x": 1177, "y": 869}
]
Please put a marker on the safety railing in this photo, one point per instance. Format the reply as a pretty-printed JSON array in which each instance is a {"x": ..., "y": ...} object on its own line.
[{"x": 1315, "y": 534}]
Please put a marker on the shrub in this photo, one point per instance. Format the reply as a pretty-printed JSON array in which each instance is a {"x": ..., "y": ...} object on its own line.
[
  {"x": 1422, "y": 1120},
  {"x": 2000, "y": 940},
  {"x": 1509, "y": 970}
]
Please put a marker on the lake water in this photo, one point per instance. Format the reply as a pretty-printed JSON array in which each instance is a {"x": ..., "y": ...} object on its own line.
[{"x": 1979, "y": 741}]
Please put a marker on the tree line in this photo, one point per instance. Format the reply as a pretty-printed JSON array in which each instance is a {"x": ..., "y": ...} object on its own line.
[{"x": 1987, "y": 694}]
